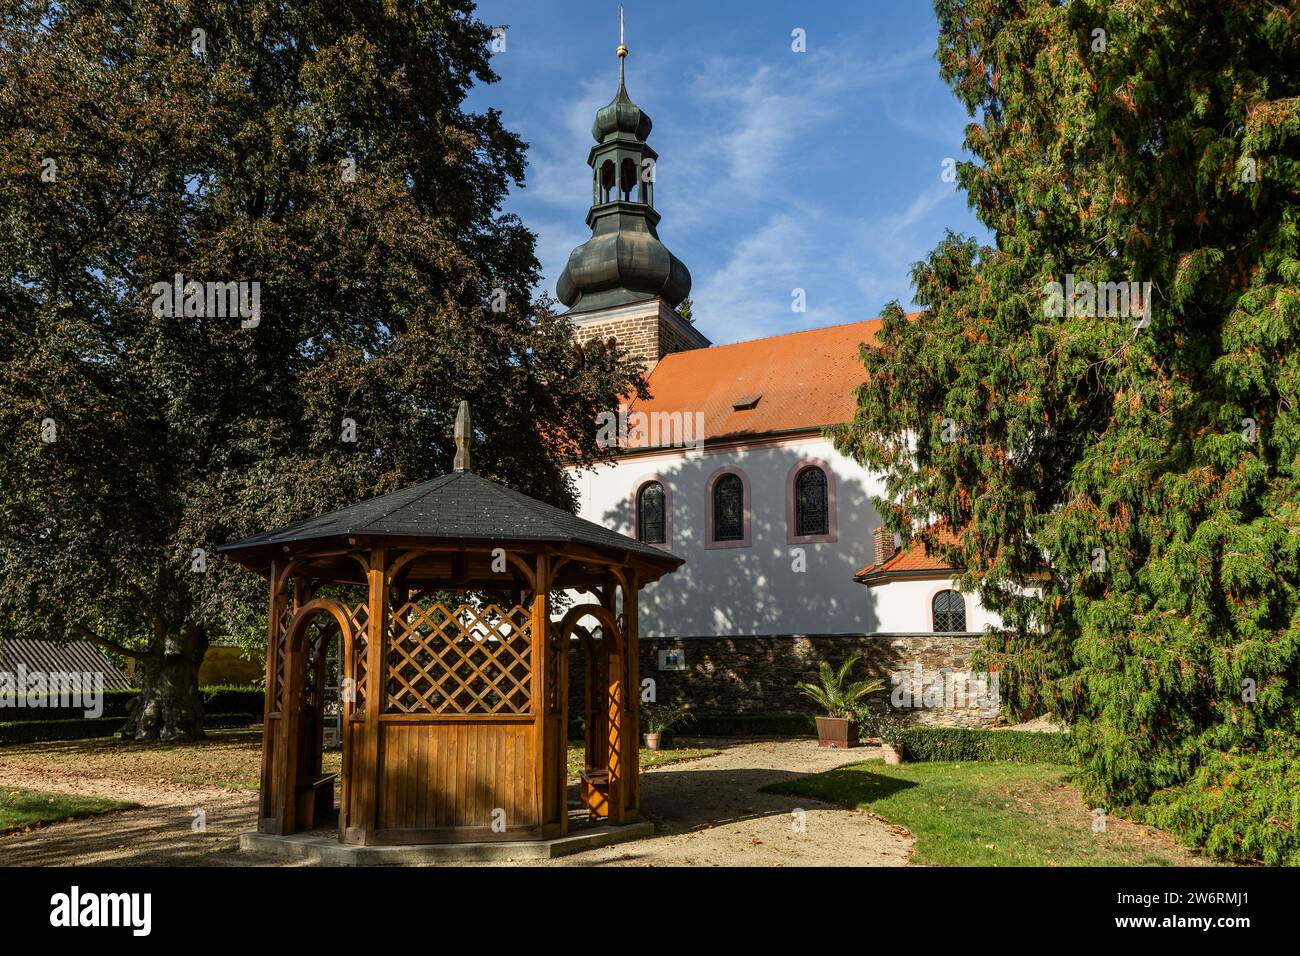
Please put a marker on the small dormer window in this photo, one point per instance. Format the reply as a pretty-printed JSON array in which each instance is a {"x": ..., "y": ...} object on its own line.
[{"x": 746, "y": 402}]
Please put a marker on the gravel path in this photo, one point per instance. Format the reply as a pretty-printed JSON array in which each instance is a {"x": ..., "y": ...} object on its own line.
[
  {"x": 164, "y": 831},
  {"x": 710, "y": 812},
  {"x": 707, "y": 812}
]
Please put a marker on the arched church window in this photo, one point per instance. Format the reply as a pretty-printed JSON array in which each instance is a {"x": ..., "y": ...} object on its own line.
[
  {"x": 949, "y": 611},
  {"x": 728, "y": 509},
  {"x": 650, "y": 513},
  {"x": 811, "y": 514}
]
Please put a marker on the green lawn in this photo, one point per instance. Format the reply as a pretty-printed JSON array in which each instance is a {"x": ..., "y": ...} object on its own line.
[
  {"x": 26, "y": 808},
  {"x": 990, "y": 814}
]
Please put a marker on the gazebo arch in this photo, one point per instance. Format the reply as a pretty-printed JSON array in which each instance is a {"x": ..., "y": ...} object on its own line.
[
  {"x": 604, "y": 787},
  {"x": 455, "y": 717},
  {"x": 294, "y": 789}
]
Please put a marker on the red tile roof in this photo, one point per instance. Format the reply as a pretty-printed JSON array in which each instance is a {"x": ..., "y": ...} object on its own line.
[
  {"x": 911, "y": 560},
  {"x": 801, "y": 380}
]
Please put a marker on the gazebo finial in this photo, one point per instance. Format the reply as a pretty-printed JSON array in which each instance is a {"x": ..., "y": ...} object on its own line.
[{"x": 464, "y": 435}]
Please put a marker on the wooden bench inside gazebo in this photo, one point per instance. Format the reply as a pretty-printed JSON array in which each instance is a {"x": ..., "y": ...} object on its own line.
[{"x": 455, "y": 665}]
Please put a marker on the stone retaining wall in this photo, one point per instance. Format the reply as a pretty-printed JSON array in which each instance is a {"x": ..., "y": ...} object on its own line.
[{"x": 757, "y": 675}]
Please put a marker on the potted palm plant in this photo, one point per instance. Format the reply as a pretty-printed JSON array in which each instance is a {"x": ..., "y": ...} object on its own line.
[
  {"x": 840, "y": 700},
  {"x": 659, "y": 719}
]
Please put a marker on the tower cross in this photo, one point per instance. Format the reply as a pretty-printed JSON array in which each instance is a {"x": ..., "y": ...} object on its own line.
[{"x": 622, "y": 48}]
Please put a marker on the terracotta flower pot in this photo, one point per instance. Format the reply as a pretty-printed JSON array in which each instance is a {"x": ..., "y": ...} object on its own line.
[
  {"x": 837, "y": 732},
  {"x": 893, "y": 754},
  {"x": 652, "y": 741}
]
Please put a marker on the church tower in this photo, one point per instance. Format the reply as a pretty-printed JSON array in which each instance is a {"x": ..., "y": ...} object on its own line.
[{"x": 623, "y": 282}]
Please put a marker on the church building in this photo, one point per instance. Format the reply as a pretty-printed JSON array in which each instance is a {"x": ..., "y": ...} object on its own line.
[{"x": 786, "y": 560}]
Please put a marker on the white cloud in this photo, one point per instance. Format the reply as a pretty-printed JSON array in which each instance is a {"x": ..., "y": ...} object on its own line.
[{"x": 747, "y": 147}]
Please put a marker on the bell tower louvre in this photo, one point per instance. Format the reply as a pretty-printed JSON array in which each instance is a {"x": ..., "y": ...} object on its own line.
[{"x": 623, "y": 283}]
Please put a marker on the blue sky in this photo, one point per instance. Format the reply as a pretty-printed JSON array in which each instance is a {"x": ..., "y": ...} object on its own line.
[{"x": 777, "y": 170}]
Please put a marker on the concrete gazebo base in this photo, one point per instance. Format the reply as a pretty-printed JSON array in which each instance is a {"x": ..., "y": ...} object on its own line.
[{"x": 323, "y": 847}]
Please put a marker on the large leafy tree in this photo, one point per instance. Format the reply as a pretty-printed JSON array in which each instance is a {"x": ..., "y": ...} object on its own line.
[
  {"x": 1137, "y": 474},
  {"x": 325, "y": 152}
]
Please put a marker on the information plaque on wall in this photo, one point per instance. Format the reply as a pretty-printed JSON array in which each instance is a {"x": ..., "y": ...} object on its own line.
[{"x": 674, "y": 660}]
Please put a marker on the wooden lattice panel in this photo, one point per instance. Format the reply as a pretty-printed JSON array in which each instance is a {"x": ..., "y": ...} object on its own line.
[
  {"x": 473, "y": 660},
  {"x": 359, "y": 615},
  {"x": 557, "y": 657},
  {"x": 281, "y": 649}
]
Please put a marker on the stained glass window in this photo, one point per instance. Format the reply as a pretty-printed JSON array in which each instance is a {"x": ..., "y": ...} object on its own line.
[
  {"x": 949, "y": 612},
  {"x": 728, "y": 509},
  {"x": 811, "y": 515},
  {"x": 650, "y": 513}
]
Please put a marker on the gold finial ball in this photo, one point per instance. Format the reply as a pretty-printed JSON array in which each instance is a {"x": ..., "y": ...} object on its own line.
[{"x": 622, "y": 50}]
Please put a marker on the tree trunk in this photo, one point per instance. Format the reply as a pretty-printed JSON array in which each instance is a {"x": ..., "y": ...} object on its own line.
[{"x": 169, "y": 706}]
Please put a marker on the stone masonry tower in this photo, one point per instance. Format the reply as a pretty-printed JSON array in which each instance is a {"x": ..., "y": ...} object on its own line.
[{"x": 623, "y": 282}]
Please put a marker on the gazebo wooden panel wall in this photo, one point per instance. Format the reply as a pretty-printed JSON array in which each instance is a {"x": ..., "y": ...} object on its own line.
[{"x": 455, "y": 681}]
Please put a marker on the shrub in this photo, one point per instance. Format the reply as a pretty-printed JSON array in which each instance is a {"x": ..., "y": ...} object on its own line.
[
  {"x": 754, "y": 725},
  {"x": 662, "y": 718},
  {"x": 84, "y": 728},
  {"x": 233, "y": 700},
  {"x": 117, "y": 704},
  {"x": 734, "y": 725},
  {"x": 954, "y": 743},
  {"x": 27, "y": 731},
  {"x": 1240, "y": 807}
]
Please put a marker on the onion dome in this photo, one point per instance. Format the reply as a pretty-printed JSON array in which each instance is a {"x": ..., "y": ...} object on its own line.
[{"x": 621, "y": 115}]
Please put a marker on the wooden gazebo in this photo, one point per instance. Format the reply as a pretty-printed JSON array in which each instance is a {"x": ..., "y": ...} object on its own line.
[{"x": 455, "y": 668}]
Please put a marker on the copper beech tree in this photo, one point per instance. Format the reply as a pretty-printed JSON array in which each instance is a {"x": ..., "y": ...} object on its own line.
[{"x": 254, "y": 256}]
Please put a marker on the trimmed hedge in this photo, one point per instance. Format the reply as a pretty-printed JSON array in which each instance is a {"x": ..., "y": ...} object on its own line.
[
  {"x": 28, "y": 731},
  {"x": 927, "y": 744},
  {"x": 84, "y": 728},
  {"x": 117, "y": 704},
  {"x": 233, "y": 700},
  {"x": 730, "y": 725},
  {"x": 751, "y": 725}
]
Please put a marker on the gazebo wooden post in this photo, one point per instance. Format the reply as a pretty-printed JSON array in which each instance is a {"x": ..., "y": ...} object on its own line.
[
  {"x": 376, "y": 640},
  {"x": 561, "y": 782},
  {"x": 633, "y": 710},
  {"x": 264, "y": 808},
  {"x": 537, "y": 664},
  {"x": 616, "y": 678}
]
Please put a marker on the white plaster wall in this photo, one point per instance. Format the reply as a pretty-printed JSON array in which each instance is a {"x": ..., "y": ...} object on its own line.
[
  {"x": 754, "y": 590},
  {"x": 904, "y": 606}
]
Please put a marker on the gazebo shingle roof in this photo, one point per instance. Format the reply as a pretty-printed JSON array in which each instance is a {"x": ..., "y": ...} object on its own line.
[{"x": 458, "y": 506}]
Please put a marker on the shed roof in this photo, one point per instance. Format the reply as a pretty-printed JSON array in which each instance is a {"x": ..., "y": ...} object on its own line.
[{"x": 62, "y": 657}]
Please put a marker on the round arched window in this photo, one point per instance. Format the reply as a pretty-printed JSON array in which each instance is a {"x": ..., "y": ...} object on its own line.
[
  {"x": 728, "y": 508},
  {"x": 650, "y": 513},
  {"x": 949, "y": 611},
  {"x": 811, "y": 514}
]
